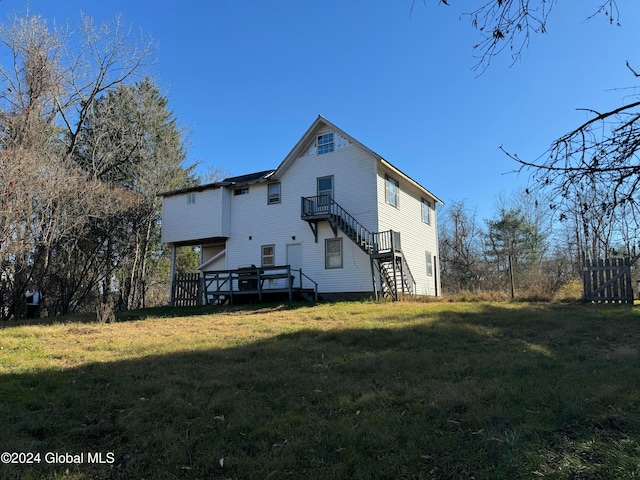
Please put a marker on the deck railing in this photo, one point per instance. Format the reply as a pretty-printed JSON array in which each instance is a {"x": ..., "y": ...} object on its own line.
[{"x": 257, "y": 281}]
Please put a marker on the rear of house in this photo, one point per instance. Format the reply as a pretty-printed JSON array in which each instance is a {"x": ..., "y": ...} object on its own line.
[{"x": 321, "y": 211}]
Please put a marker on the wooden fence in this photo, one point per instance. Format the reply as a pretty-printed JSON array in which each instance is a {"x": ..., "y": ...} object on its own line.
[
  {"x": 608, "y": 280},
  {"x": 187, "y": 290}
]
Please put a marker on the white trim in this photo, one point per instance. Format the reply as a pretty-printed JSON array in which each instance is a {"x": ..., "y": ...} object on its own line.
[{"x": 272, "y": 246}]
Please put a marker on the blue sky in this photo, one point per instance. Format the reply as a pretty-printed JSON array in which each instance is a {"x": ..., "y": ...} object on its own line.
[{"x": 247, "y": 78}]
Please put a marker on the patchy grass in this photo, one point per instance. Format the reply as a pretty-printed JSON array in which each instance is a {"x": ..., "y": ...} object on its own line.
[{"x": 345, "y": 390}]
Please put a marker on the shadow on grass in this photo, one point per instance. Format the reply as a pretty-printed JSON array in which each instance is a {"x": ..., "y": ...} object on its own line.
[{"x": 495, "y": 393}]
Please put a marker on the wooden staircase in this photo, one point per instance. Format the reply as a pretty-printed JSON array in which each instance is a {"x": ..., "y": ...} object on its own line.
[{"x": 383, "y": 248}]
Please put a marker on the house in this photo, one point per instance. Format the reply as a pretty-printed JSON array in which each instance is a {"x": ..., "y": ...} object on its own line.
[{"x": 338, "y": 216}]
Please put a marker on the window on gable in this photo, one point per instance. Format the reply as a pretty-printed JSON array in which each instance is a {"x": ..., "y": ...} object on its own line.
[
  {"x": 273, "y": 193},
  {"x": 268, "y": 255},
  {"x": 391, "y": 191},
  {"x": 333, "y": 253},
  {"x": 191, "y": 198},
  {"x": 241, "y": 191},
  {"x": 325, "y": 143},
  {"x": 426, "y": 211}
]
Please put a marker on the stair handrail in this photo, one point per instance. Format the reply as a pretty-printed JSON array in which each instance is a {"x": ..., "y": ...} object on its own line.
[
  {"x": 315, "y": 284},
  {"x": 312, "y": 206},
  {"x": 387, "y": 241}
]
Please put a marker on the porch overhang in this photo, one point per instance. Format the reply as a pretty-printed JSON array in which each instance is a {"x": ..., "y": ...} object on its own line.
[{"x": 198, "y": 242}]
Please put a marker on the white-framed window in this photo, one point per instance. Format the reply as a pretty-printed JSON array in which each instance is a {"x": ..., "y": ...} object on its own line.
[
  {"x": 191, "y": 198},
  {"x": 268, "y": 255},
  {"x": 325, "y": 143},
  {"x": 391, "y": 191},
  {"x": 241, "y": 191},
  {"x": 426, "y": 211},
  {"x": 273, "y": 193},
  {"x": 333, "y": 253},
  {"x": 429, "y": 264}
]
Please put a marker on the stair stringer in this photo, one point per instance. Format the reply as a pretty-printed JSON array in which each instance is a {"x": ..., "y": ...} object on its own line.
[{"x": 391, "y": 266}]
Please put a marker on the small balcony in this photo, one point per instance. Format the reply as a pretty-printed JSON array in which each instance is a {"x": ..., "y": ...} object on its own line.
[{"x": 323, "y": 207}]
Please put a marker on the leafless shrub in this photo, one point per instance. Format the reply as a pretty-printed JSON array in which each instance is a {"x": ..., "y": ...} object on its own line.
[{"x": 105, "y": 311}]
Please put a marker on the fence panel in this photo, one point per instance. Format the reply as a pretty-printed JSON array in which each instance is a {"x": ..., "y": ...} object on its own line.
[
  {"x": 187, "y": 290},
  {"x": 608, "y": 280}
]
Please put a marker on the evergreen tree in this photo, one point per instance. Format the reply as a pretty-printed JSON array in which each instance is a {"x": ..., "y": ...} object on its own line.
[
  {"x": 132, "y": 142},
  {"x": 513, "y": 245}
]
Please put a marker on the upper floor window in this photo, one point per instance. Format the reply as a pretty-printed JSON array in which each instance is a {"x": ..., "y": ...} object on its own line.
[
  {"x": 325, "y": 143},
  {"x": 191, "y": 198},
  {"x": 426, "y": 211},
  {"x": 241, "y": 191},
  {"x": 273, "y": 193},
  {"x": 391, "y": 191}
]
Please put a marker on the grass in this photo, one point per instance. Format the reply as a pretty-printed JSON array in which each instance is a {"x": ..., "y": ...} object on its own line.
[{"x": 332, "y": 391}]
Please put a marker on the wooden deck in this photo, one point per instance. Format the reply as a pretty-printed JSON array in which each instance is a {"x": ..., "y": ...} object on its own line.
[{"x": 257, "y": 284}]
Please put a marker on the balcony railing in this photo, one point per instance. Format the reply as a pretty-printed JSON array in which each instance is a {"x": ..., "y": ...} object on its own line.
[{"x": 323, "y": 207}]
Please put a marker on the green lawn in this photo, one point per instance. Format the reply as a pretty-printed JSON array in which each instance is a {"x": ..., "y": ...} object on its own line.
[{"x": 333, "y": 391}]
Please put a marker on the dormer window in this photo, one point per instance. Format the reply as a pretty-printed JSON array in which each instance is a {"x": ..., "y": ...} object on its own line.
[{"x": 325, "y": 143}]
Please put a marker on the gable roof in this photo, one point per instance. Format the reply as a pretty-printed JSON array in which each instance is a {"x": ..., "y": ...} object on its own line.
[{"x": 321, "y": 123}]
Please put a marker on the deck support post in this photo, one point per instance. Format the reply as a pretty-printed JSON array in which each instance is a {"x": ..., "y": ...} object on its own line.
[
  {"x": 173, "y": 273},
  {"x": 373, "y": 279}
]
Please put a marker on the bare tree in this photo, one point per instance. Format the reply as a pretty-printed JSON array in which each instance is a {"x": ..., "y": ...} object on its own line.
[
  {"x": 132, "y": 140},
  {"x": 46, "y": 200},
  {"x": 460, "y": 248},
  {"x": 508, "y": 25},
  {"x": 602, "y": 151},
  {"x": 591, "y": 174}
]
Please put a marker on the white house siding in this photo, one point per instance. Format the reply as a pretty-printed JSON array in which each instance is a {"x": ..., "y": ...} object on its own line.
[
  {"x": 247, "y": 222},
  {"x": 209, "y": 251},
  {"x": 255, "y": 223},
  {"x": 206, "y": 217},
  {"x": 417, "y": 237}
]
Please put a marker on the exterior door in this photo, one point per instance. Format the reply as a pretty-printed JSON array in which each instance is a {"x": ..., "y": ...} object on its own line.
[
  {"x": 294, "y": 260},
  {"x": 325, "y": 192}
]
